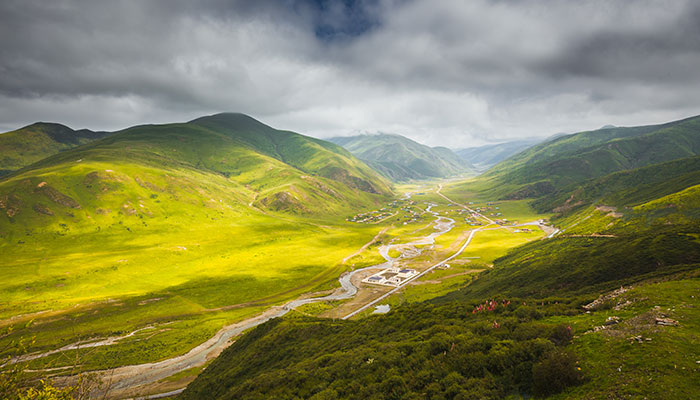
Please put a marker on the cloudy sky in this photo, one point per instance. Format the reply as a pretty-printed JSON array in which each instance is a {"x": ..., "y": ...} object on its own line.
[{"x": 455, "y": 73}]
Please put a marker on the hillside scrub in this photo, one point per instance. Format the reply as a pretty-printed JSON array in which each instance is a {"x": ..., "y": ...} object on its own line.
[{"x": 438, "y": 351}]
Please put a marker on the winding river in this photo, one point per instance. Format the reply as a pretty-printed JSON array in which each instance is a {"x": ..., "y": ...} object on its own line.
[{"x": 131, "y": 376}]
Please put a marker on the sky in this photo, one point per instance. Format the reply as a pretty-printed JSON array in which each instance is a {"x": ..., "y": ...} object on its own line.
[{"x": 443, "y": 72}]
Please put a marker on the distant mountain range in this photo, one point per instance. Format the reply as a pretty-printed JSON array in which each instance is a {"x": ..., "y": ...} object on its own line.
[
  {"x": 202, "y": 215},
  {"x": 401, "y": 159},
  {"x": 484, "y": 157}
]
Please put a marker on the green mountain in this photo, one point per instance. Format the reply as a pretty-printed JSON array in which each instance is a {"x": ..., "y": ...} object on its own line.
[
  {"x": 401, "y": 159},
  {"x": 224, "y": 208},
  {"x": 570, "y": 160},
  {"x": 247, "y": 160},
  {"x": 518, "y": 330},
  {"x": 627, "y": 188},
  {"x": 605, "y": 309},
  {"x": 484, "y": 157},
  {"x": 32, "y": 143}
]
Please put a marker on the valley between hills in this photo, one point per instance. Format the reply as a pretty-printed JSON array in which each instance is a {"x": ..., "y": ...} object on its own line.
[{"x": 222, "y": 258}]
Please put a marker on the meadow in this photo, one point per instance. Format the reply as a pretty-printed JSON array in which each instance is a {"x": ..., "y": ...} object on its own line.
[{"x": 145, "y": 229}]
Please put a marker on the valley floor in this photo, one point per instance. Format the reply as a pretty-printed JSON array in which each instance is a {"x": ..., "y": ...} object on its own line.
[{"x": 447, "y": 243}]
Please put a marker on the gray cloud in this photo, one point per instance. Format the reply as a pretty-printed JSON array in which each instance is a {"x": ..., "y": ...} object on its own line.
[{"x": 439, "y": 71}]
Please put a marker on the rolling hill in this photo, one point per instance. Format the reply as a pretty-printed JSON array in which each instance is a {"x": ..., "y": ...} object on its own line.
[
  {"x": 275, "y": 170},
  {"x": 32, "y": 143},
  {"x": 484, "y": 157},
  {"x": 401, "y": 159},
  {"x": 605, "y": 309},
  {"x": 196, "y": 224},
  {"x": 572, "y": 159},
  {"x": 627, "y": 188}
]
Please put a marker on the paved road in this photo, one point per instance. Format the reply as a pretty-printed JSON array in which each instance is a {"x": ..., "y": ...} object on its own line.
[
  {"x": 392, "y": 291},
  {"x": 125, "y": 379}
]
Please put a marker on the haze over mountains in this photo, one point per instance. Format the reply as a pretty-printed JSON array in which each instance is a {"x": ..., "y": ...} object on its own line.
[
  {"x": 486, "y": 156},
  {"x": 402, "y": 159}
]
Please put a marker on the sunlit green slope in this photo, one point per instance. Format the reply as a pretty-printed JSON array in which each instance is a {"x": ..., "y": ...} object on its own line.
[
  {"x": 636, "y": 229},
  {"x": 32, "y": 143},
  {"x": 572, "y": 159},
  {"x": 156, "y": 206}
]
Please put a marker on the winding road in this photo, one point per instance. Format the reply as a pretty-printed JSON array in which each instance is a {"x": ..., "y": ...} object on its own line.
[{"x": 124, "y": 381}]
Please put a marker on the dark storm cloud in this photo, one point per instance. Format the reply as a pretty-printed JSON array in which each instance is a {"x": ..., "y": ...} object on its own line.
[
  {"x": 660, "y": 54},
  {"x": 442, "y": 72}
]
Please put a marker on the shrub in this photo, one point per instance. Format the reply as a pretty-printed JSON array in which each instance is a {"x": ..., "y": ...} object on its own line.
[
  {"x": 561, "y": 335},
  {"x": 555, "y": 372}
]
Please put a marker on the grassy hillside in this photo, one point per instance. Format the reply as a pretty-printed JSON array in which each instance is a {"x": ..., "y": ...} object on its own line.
[
  {"x": 572, "y": 159},
  {"x": 484, "y": 157},
  {"x": 626, "y": 188},
  {"x": 32, "y": 143},
  {"x": 546, "y": 268},
  {"x": 402, "y": 159},
  {"x": 534, "y": 339},
  {"x": 307, "y": 154},
  {"x": 191, "y": 225},
  {"x": 420, "y": 351},
  {"x": 518, "y": 329}
]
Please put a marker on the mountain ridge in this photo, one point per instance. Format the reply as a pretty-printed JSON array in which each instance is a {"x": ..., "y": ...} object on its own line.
[
  {"x": 401, "y": 159},
  {"x": 29, "y": 144}
]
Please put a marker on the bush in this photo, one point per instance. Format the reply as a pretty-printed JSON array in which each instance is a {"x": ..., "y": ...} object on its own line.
[
  {"x": 561, "y": 335},
  {"x": 557, "y": 371}
]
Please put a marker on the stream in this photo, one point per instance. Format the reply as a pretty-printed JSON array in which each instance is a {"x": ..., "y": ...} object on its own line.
[{"x": 131, "y": 376}]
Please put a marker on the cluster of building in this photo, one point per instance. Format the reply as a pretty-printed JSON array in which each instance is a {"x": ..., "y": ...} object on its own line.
[
  {"x": 377, "y": 215},
  {"x": 369, "y": 217},
  {"x": 391, "y": 276}
]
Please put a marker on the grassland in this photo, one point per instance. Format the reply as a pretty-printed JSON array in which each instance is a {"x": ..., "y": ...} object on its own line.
[
  {"x": 35, "y": 142},
  {"x": 518, "y": 328},
  {"x": 182, "y": 228},
  {"x": 489, "y": 243},
  {"x": 466, "y": 353}
]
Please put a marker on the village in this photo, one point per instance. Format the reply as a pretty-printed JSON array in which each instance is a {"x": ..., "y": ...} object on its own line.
[{"x": 395, "y": 207}]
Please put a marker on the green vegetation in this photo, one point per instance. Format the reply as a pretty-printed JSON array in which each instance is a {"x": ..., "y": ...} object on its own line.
[
  {"x": 35, "y": 142},
  {"x": 490, "y": 244},
  {"x": 570, "y": 160},
  {"x": 484, "y": 157},
  {"x": 401, "y": 159},
  {"x": 420, "y": 350},
  {"x": 629, "y": 219},
  {"x": 160, "y": 235},
  {"x": 626, "y": 188},
  {"x": 545, "y": 268},
  {"x": 184, "y": 227}
]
